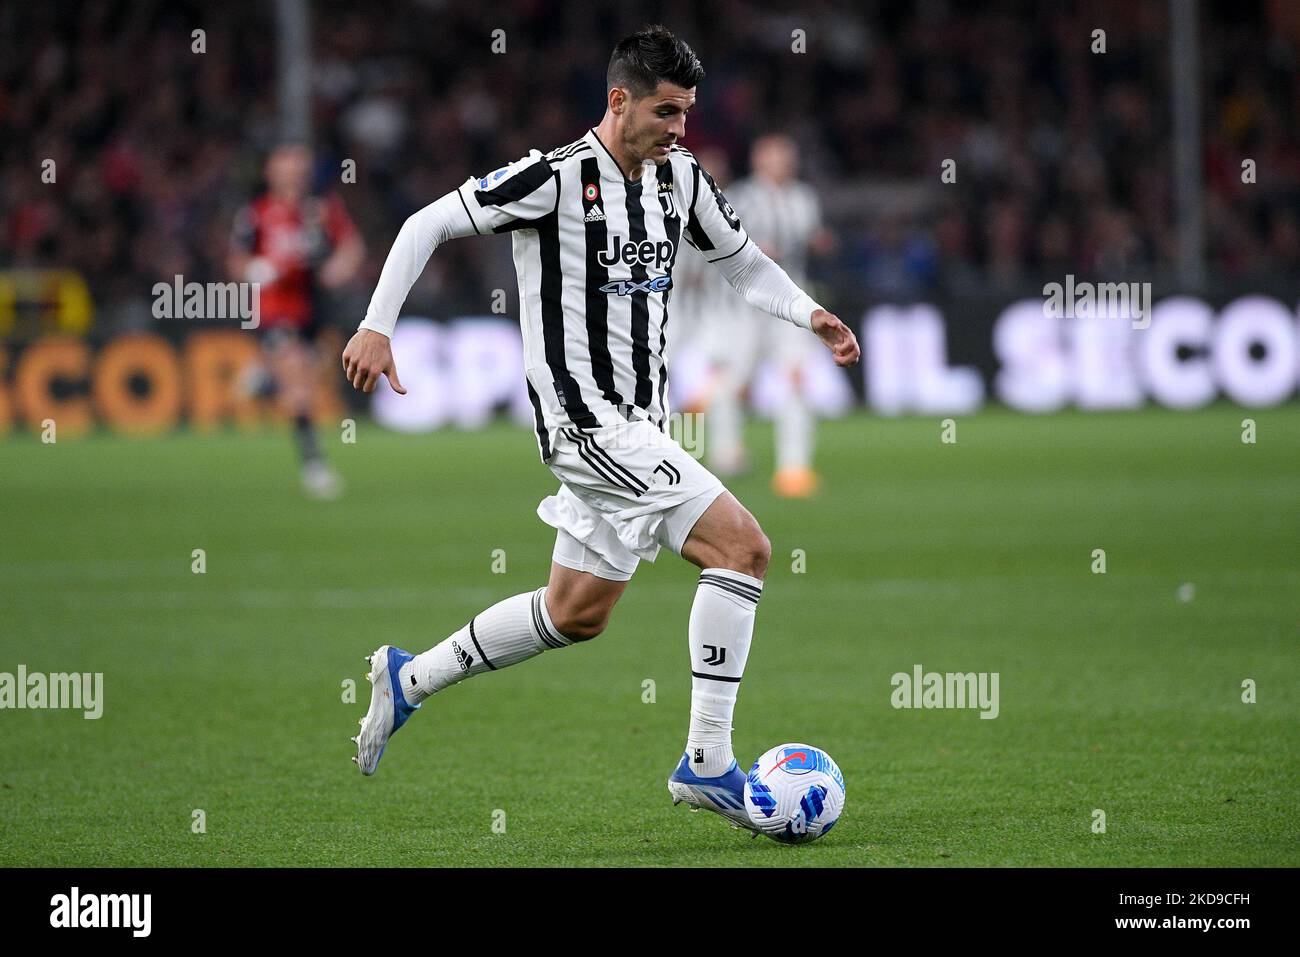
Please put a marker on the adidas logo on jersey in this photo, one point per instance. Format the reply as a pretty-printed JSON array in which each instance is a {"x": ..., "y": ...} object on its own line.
[{"x": 594, "y": 215}]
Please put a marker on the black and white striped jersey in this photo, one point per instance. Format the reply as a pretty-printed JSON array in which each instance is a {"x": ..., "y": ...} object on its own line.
[
  {"x": 594, "y": 253},
  {"x": 781, "y": 219}
]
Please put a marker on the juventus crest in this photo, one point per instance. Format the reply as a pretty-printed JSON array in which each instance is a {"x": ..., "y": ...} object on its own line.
[{"x": 666, "y": 199}]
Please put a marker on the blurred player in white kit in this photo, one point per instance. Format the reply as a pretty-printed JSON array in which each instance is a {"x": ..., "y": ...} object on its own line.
[{"x": 783, "y": 217}]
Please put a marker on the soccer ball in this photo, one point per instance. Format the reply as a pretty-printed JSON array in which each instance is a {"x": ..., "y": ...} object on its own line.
[{"x": 794, "y": 793}]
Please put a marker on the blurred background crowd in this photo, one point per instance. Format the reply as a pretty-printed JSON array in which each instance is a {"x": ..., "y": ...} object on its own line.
[{"x": 1063, "y": 156}]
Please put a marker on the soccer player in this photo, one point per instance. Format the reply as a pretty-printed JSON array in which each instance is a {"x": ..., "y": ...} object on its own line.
[
  {"x": 595, "y": 227},
  {"x": 294, "y": 244},
  {"x": 782, "y": 215}
]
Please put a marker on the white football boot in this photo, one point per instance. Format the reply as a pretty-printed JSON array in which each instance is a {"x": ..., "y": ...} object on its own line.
[{"x": 388, "y": 707}]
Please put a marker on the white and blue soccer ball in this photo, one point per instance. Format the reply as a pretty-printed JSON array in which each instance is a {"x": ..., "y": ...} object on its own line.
[{"x": 794, "y": 793}]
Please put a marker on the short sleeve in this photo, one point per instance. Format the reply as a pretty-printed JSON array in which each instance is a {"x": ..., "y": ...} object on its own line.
[
  {"x": 713, "y": 228},
  {"x": 513, "y": 197}
]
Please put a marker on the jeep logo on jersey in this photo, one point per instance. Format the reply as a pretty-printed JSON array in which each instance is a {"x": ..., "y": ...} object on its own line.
[
  {"x": 625, "y": 287},
  {"x": 645, "y": 253}
]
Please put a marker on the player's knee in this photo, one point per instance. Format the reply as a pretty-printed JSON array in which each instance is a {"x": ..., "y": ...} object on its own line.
[
  {"x": 755, "y": 550},
  {"x": 759, "y": 553},
  {"x": 580, "y": 624},
  {"x": 750, "y": 553},
  {"x": 740, "y": 545}
]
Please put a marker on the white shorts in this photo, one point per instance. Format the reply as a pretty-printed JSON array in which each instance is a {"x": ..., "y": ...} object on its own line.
[{"x": 626, "y": 491}]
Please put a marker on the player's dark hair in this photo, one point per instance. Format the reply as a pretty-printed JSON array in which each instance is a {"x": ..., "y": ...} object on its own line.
[{"x": 644, "y": 59}]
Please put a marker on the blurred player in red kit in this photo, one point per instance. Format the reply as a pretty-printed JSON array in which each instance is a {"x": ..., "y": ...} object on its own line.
[{"x": 295, "y": 244}]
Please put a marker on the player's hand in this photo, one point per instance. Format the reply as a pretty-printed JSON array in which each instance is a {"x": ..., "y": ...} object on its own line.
[
  {"x": 368, "y": 355},
  {"x": 838, "y": 337}
]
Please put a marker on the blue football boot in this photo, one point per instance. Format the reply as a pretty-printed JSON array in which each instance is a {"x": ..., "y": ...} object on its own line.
[
  {"x": 388, "y": 707},
  {"x": 724, "y": 794}
]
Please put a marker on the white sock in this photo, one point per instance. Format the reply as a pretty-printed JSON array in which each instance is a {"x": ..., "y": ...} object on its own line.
[
  {"x": 509, "y": 632},
  {"x": 722, "y": 624},
  {"x": 724, "y": 421},
  {"x": 794, "y": 431}
]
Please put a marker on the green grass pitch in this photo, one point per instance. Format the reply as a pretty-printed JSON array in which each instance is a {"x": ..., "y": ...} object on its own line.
[{"x": 223, "y": 691}]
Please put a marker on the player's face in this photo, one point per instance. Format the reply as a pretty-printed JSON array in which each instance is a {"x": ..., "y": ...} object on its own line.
[
  {"x": 288, "y": 170},
  {"x": 657, "y": 121},
  {"x": 775, "y": 158}
]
